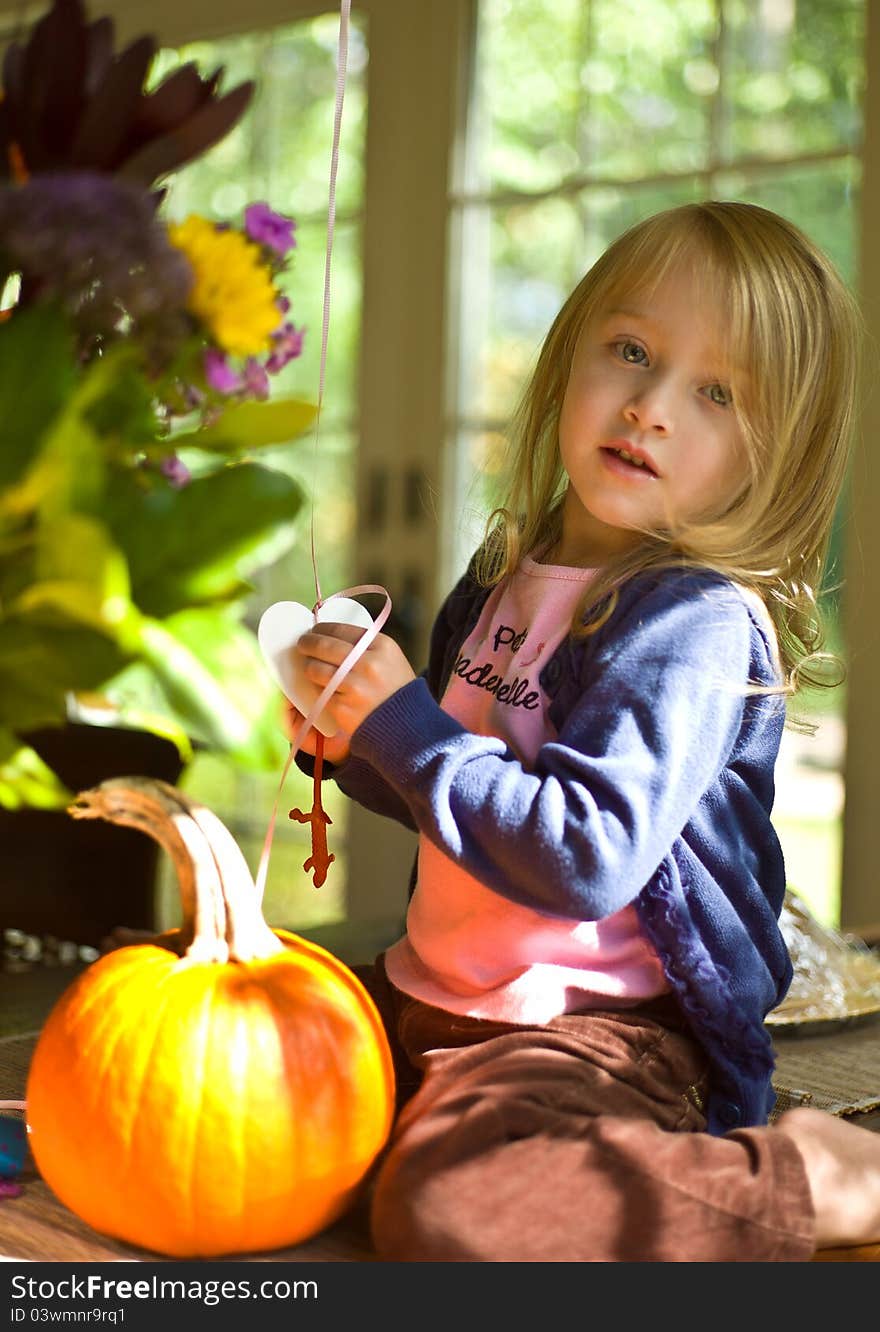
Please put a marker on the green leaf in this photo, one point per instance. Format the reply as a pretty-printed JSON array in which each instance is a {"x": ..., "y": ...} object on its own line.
[
  {"x": 213, "y": 679},
  {"x": 251, "y": 425},
  {"x": 230, "y": 651},
  {"x": 25, "y": 780},
  {"x": 37, "y": 371},
  {"x": 125, "y": 407},
  {"x": 67, "y": 470},
  {"x": 40, "y": 664},
  {"x": 196, "y": 546},
  {"x": 80, "y": 576}
]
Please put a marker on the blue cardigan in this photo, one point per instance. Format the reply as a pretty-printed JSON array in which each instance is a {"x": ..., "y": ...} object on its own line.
[{"x": 657, "y": 791}]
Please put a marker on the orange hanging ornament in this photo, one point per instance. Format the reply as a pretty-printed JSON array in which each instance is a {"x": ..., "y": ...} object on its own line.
[{"x": 319, "y": 861}]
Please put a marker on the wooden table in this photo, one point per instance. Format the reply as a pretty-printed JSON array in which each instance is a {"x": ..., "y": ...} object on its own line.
[{"x": 36, "y": 1227}]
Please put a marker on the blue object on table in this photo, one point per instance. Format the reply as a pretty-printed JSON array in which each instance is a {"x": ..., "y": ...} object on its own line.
[{"x": 13, "y": 1139}]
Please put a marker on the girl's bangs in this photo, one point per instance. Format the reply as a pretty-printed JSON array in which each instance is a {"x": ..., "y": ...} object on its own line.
[{"x": 680, "y": 242}]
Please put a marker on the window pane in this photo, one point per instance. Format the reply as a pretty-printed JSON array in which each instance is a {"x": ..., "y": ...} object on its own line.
[
  {"x": 647, "y": 87},
  {"x": 305, "y": 290},
  {"x": 823, "y": 199},
  {"x": 528, "y": 260},
  {"x": 483, "y": 454},
  {"x": 612, "y": 211},
  {"x": 794, "y": 73},
  {"x": 616, "y": 87},
  {"x": 528, "y": 90}
]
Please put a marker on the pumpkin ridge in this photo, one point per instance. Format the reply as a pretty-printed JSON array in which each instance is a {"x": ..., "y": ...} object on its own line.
[
  {"x": 330, "y": 1027},
  {"x": 106, "y": 1050},
  {"x": 206, "y": 1027},
  {"x": 128, "y": 1133},
  {"x": 240, "y": 1146},
  {"x": 343, "y": 972},
  {"x": 132, "y": 1119},
  {"x": 92, "y": 1087}
]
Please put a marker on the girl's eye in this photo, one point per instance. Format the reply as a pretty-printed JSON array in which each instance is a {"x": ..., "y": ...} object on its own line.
[
  {"x": 633, "y": 352},
  {"x": 720, "y": 394}
]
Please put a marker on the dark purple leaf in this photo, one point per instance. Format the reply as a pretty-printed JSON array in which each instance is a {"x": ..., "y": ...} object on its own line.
[
  {"x": 13, "y": 78},
  {"x": 15, "y": 85},
  {"x": 174, "y": 101},
  {"x": 189, "y": 140},
  {"x": 99, "y": 53},
  {"x": 105, "y": 126},
  {"x": 54, "y": 63},
  {"x": 5, "y": 142},
  {"x": 64, "y": 96}
]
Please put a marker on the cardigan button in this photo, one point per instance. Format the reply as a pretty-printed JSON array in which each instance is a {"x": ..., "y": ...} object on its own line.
[{"x": 729, "y": 1113}]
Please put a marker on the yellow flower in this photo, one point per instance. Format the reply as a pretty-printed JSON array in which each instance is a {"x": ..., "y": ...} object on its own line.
[{"x": 233, "y": 294}]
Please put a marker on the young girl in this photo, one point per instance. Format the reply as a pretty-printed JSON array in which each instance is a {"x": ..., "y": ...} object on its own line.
[{"x": 577, "y": 1005}]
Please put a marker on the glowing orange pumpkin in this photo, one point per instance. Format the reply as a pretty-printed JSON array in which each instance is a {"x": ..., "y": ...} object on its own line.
[{"x": 223, "y": 1089}]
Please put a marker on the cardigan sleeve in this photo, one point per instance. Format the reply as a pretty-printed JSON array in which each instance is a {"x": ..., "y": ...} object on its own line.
[{"x": 581, "y": 832}]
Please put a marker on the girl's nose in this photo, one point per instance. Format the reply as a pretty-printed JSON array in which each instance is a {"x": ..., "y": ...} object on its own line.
[{"x": 650, "y": 410}]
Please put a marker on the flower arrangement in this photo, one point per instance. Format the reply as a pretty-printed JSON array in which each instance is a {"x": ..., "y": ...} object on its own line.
[{"x": 136, "y": 359}]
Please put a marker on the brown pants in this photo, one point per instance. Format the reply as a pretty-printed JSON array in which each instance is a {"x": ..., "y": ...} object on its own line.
[{"x": 578, "y": 1141}]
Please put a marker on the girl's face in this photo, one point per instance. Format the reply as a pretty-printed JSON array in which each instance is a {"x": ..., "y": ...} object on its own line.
[{"x": 647, "y": 432}]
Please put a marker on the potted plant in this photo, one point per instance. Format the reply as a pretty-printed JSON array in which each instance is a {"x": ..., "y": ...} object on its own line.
[{"x": 136, "y": 358}]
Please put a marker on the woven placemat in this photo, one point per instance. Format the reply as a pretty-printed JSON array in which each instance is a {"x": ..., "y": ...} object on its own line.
[
  {"x": 15, "y": 1058},
  {"x": 28, "y": 994},
  {"x": 837, "y": 1071}
]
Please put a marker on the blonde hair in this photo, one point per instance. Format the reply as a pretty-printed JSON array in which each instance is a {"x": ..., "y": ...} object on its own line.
[{"x": 793, "y": 333}]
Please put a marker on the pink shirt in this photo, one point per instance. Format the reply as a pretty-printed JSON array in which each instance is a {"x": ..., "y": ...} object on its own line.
[{"x": 467, "y": 949}]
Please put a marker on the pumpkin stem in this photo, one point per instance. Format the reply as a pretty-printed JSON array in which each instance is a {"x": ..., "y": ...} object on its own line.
[
  {"x": 247, "y": 933},
  {"x": 221, "y": 915}
]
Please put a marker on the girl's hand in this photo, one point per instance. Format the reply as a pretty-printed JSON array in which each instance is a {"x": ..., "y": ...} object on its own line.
[
  {"x": 336, "y": 747},
  {"x": 379, "y": 673}
]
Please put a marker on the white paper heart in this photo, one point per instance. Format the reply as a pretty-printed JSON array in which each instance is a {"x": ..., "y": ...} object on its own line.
[{"x": 280, "y": 629}]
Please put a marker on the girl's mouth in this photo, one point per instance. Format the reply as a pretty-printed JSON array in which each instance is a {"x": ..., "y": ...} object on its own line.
[{"x": 623, "y": 462}]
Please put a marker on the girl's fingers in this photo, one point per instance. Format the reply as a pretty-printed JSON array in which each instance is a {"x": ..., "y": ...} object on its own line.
[
  {"x": 291, "y": 721},
  {"x": 329, "y": 628},
  {"x": 331, "y": 647},
  {"x": 322, "y": 672}
]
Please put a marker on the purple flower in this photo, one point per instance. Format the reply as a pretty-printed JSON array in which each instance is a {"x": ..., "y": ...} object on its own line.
[
  {"x": 286, "y": 346},
  {"x": 177, "y": 473},
  {"x": 269, "y": 228},
  {"x": 219, "y": 373},
  {"x": 256, "y": 381},
  {"x": 93, "y": 243}
]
